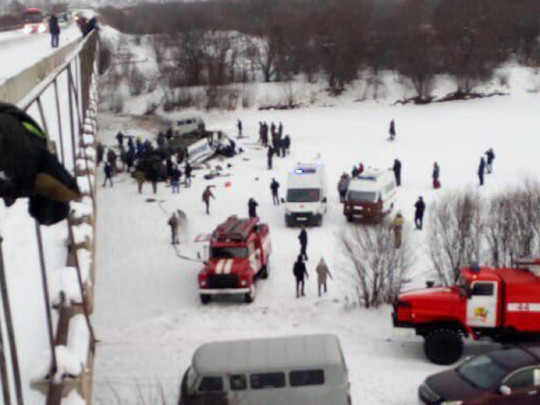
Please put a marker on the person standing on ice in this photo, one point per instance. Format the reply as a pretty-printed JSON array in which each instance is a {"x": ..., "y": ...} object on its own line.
[
  {"x": 303, "y": 238},
  {"x": 207, "y": 195},
  {"x": 436, "y": 174},
  {"x": 392, "y": 130},
  {"x": 420, "y": 207},
  {"x": 343, "y": 186},
  {"x": 274, "y": 186},
  {"x": 140, "y": 178},
  {"x": 397, "y": 171},
  {"x": 174, "y": 223},
  {"x": 322, "y": 275},
  {"x": 107, "y": 170},
  {"x": 490, "y": 156},
  {"x": 481, "y": 171},
  {"x": 54, "y": 30},
  {"x": 175, "y": 179},
  {"x": 269, "y": 157},
  {"x": 252, "y": 208},
  {"x": 397, "y": 227},
  {"x": 120, "y": 139},
  {"x": 187, "y": 171},
  {"x": 300, "y": 271},
  {"x": 287, "y": 145},
  {"x": 239, "y": 126}
]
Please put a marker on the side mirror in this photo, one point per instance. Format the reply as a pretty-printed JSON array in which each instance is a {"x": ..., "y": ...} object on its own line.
[
  {"x": 505, "y": 390},
  {"x": 324, "y": 200},
  {"x": 283, "y": 200},
  {"x": 430, "y": 284}
]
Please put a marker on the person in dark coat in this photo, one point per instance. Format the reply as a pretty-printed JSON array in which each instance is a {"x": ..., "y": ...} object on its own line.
[
  {"x": 54, "y": 30},
  {"x": 174, "y": 223},
  {"x": 490, "y": 156},
  {"x": 107, "y": 169},
  {"x": 169, "y": 166},
  {"x": 287, "y": 144},
  {"x": 397, "y": 171},
  {"x": 420, "y": 207},
  {"x": 120, "y": 139},
  {"x": 300, "y": 271},
  {"x": 239, "y": 126},
  {"x": 280, "y": 130},
  {"x": 252, "y": 207},
  {"x": 265, "y": 134},
  {"x": 131, "y": 145},
  {"x": 207, "y": 195},
  {"x": 481, "y": 171},
  {"x": 354, "y": 172},
  {"x": 100, "y": 153},
  {"x": 188, "y": 169},
  {"x": 111, "y": 159},
  {"x": 270, "y": 157},
  {"x": 436, "y": 174},
  {"x": 274, "y": 186},
  {"x": 392, "y": 130},
  {"x": 273, "y": 130},
  {"x": 175, "y": 179},
  {"x": 303, "y": 238},
  {"x": 343, "y": 187},
  {"x": 153, "y": 176}
]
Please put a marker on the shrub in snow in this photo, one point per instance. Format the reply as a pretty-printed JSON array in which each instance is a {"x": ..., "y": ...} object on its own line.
[
  {"x": 377, "y": 269},
  {"x": 455, "y": 233}
]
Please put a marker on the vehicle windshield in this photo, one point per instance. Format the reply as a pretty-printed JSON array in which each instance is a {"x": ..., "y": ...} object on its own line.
[
  {"x": 463, "y": 285},
  {"x": 482, "y": 372},
  {"x": 303, "y": 195},
  {"x": 229, "y": 252},
  {"x": 363, "y": 196},
  {"x": 32, "y": 18}
]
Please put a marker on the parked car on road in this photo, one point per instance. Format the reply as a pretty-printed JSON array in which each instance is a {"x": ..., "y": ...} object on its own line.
[{"x": 503, "y": 377}]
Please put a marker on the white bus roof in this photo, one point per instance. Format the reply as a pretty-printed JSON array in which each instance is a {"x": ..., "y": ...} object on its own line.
[{"x": 268, "y": 354}]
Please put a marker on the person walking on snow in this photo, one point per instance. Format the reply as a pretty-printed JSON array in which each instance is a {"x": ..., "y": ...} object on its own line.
[
  {"x": 436, "y": 174},
  {"x": 490, "y": 156},
  {"x": 239, "y": 126},
  {"x": 269, "y": 157},
  {"x": 141, "y": 178},
  {"x": 174, "y": 223},
  {"x": 397, "y": 171},
  {"x": 188, "y": 170},
  {"x": 120, "y": 139},
  {"x": 303, "y": 238},
  {"x": 207, "y": 195},
  {"x": 420, "y": 207},
  {"x": 392, "y": 130},
  {"x": 252, "y": 208},
  {"x": 287, "y": 145},
  {"x": 300, "y": 271},
  {"x": 322, "y": 275},
  {"x": 274, "y": 186},
  {"x": 397, "y": 227},
  {"x": 54, "y": 30},
  {"x": 175, "y": 179},
  {"x": 481, "y": 171},
  {"x": 343, "y": 186},
  {"x": 107, "y": 169}
]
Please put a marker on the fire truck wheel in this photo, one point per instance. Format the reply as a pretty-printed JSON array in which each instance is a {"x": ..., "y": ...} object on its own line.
[
  {"x": 443, "y": 346},
  {"x": 264, "y": 272},
  {"x": 205, "y": 298},
  {"x": 250, "y": 296}
]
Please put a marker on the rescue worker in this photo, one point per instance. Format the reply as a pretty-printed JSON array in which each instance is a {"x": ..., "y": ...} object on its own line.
[
  {"x": 175, "y": 179},
  {"x": 397, "y": 227},
  {"x": 392, "y": 130},
  {"x": 322, "y": 275},
  {"x": 269, "y": 157},
  {"x": 100, "y": 153},
  {"x": 299, "y": 271},
  {"x": 141, "y": 178},
  {"x": 303, "y": 238},
  {"x": 187, "y": 171},
  {"x": 274, "y": 186},
  {"x": 343, "y": 186},
  {"x": 252, "y": 208},
  {"x": 420, "y": 207},
  {"x": 354, "y": 172},
  {"x": 153, "y": 176},
  {"x": 174, "y": 223},
  {"x": 397, "y": 171},
  {"x": 54, "y": 30},
  {"x": 436, "y": 174},
  {"x": 481, "y": 171},
  {"x": 490, "y": 156},
  {"x": 107, "y": 170},
  {"x": 207, "y": 195}
]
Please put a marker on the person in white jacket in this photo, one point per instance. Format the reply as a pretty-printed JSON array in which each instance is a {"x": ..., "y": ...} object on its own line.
[{"x": 322, "y": 275}]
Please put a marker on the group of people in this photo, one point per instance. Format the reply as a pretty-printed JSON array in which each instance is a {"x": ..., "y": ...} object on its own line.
[
  {"x": 271, "y": 137},
  {"x": 486, "y": 165}
]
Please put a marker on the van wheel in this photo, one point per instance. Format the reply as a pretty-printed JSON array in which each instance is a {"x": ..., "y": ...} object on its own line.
[
  {"x": 205, "y": 298},
  {"x": 288, "y": 221},
  {"x": 250, "y": 296},
  {"x": 443, "y": 346},
  {"x": 350, "y": 218}
]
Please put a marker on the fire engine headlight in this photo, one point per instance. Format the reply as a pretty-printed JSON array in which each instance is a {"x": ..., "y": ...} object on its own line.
[
  {"x": 41, "y": 29},
  {"x": 27, "y": 29},
  {"x": 243, "y": 283},
  {"x": 202, "y": 283}
]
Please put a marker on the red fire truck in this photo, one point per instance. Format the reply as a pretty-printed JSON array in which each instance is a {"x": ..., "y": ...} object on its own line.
[
  {"x": 500, "y": 304},
  {"x": 239, "y": 253}
]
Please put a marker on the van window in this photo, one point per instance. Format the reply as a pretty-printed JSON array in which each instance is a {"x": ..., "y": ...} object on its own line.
[
  {"x": 301, "y": 378},
  {"x": 267, "y": 380},
  {"x": 363, "y": 196},
  {"x": 211, "y": 384},
  {"x": 303, "y": 195},
  {"x": 238, "y": 382}
]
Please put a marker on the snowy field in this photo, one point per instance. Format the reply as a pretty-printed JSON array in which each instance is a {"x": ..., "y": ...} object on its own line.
[{"x": 148, "y": 317}]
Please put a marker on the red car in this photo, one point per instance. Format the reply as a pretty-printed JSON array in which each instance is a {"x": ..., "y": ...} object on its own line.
[{"x": 502, "y": 377}]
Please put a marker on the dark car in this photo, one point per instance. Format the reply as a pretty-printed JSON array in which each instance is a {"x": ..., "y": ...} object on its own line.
[{"x": 503, "y": 377}]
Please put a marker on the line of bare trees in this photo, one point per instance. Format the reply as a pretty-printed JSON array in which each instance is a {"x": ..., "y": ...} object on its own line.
[{"x": 464, "y": 39}]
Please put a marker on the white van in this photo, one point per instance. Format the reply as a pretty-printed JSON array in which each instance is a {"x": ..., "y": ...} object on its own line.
[
  {"x": 185, "y": 125},
  {"x": 295, "y": 370},
  {"x": 371, "y": 195},
  {"x": 306, "y": 200}
]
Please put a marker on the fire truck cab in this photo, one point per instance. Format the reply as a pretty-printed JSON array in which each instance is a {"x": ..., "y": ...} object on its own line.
[
  {"x": 238, "y": 256},
  {"x": 501, "y": 304}
]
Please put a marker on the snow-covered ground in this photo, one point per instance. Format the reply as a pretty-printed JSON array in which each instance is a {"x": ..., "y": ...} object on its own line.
[{"x": 148, "y": 316}]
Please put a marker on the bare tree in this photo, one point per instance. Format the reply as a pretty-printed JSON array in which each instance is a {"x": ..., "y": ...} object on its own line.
[
  {"x": 379, "y": 270},
  {"x": 455, "y": 234}
]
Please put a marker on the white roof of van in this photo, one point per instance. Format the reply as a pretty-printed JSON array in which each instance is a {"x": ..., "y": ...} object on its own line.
[
  {"x": 267, "y": 354},
  {"x": 370, "y": 180}
]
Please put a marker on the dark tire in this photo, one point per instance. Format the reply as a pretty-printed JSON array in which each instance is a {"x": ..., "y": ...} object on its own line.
[
  {"x": 250, "y": 296},
  {"x": 350, "y": 218},
  {"x": 205, "y": 298},
  {"x": 264, "y": 272},
  {"x": 288, "y": 221},
  {"x": 443, "y": 346}
]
